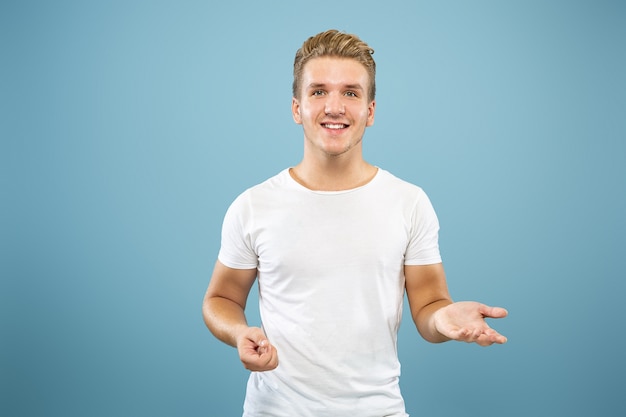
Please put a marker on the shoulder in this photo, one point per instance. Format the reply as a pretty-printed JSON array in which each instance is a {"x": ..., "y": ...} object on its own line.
[
  {"x": 268, "y": 190},
  {"x": 404, "y": 193},
  {"x": 387, "y": 180}
]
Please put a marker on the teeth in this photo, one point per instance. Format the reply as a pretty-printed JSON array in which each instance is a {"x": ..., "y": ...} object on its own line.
[{"x": 334, "y": 126}]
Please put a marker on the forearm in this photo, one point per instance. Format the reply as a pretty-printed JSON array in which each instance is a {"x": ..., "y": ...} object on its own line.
[
  {"x": 425, "y": 323},
  {"x": 224, "y": 318}
]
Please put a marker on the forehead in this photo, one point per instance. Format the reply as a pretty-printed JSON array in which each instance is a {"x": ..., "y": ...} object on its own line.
[{"x": 334, "y": 70}]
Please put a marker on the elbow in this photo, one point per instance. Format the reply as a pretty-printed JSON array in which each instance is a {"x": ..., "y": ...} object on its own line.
[{"x": 206, "y": 310}]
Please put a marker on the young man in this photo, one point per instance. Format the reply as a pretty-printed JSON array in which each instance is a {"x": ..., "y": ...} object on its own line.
[{"x": 334, "y": 243}]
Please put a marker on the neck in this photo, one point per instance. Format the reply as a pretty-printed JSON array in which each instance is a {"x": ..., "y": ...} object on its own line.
[{"x": 333, "y": 175}]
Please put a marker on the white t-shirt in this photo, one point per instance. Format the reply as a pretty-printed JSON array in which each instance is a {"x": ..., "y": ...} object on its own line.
[{"x": 331, "y": 288}]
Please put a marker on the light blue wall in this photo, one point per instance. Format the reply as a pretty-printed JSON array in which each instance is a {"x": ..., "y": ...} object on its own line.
[{"x": 128, "y": 127}]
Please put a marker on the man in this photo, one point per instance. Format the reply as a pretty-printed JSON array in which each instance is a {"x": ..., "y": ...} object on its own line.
[{"x": 334, "y": 242}]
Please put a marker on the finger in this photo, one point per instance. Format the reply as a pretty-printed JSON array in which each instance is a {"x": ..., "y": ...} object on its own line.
[
  {"x": 272, "y": 362},
  {"x": 266, "y": 361},
  {"x": 491, "y": 337},
  {"x": 262, "y": 347},
  {"x": 465, "y": 334},
  {"x": 498, "y": 338},
  {"x": 257, "y": 363},
  {"x": 493, "y": 312},
  {"x": 476, "y": 334},
  {"x": 456, "y": 334}
]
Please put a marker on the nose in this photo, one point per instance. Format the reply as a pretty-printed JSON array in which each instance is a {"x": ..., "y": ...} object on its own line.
[{"x": 334, "y": 105}]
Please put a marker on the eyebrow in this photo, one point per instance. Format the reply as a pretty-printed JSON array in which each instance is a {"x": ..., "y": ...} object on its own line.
[{"x": 347, "y": 86}]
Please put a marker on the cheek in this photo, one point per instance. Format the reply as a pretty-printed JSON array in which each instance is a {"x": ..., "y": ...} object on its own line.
[
  {"x": 364, "y": 115},
  {"x": 307, "y": 114}
]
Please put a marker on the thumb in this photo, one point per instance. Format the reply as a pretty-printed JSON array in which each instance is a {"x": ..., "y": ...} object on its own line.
[
  {"x": 494, "y": 312},
  {"x": 262, "y": 344}
]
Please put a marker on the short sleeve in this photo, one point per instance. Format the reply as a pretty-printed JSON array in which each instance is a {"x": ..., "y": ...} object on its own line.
[
  {"x": 423, "y": 247},
  {"x": 236, "y": 250}
]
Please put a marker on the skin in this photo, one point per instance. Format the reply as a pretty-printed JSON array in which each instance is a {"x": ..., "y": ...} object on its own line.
[
  {"x": 333, "y": 92},
  {"x": 334, "y": 111}
]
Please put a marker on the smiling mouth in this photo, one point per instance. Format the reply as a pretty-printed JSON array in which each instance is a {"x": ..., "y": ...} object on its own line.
[{"x": 334, "y": 125}]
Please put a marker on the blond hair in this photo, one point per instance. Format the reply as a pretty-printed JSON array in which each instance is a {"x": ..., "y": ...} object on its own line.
[{"x": 334, "y": 44}]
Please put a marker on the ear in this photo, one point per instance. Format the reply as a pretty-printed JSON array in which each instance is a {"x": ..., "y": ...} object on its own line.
[
  {"x": 371, "y": 109},
  {"x": 295, "y": 110}
]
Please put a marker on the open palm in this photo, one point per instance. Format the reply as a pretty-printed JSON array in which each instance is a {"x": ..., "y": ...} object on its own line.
[{"x": 465, "y": 321}]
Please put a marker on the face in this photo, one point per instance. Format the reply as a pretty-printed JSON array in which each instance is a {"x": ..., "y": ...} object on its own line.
[{"x": 333, "y": 107}]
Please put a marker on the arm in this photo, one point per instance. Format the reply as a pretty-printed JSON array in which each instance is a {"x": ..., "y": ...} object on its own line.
[
  {"x": 438, "y": 319},
  {"x": 427, "y": 292},
  {"x": 223, "y": 312}
]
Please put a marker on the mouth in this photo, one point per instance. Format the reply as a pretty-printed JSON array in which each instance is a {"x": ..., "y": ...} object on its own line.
[{"x": 335, "y": 126}]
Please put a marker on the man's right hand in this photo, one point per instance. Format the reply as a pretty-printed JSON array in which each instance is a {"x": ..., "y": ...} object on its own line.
[{"x": 255, "y": 351}]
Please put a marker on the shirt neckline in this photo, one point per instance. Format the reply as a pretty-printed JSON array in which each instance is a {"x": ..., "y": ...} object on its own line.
[{"x": 322, "y": 192}]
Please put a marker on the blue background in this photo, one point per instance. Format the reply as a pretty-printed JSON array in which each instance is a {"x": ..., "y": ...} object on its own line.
[{"x": 128, "y": 127}]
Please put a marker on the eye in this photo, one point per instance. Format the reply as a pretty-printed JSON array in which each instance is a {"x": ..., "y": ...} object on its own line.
[
  {"x": 317, "y": 93},
  {"x": 351, "y": 94}
]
